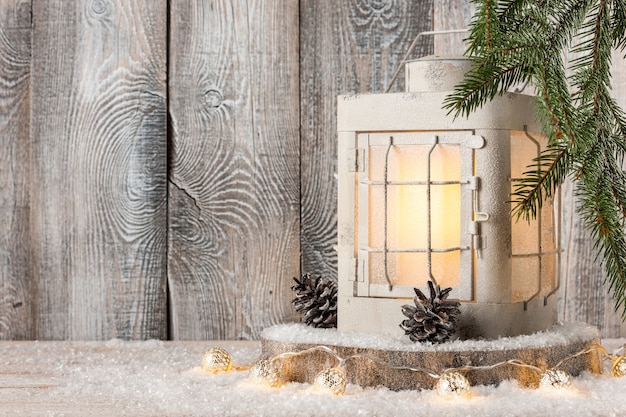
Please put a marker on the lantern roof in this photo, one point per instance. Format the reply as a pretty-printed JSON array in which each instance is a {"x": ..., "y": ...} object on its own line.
[{"x": 429, "y": 81}]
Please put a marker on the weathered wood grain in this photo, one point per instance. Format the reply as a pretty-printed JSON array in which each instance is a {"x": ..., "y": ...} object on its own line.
[
  {"x": 98, "y": 208},
  {"x": 83, "y": 229},
  {"x": 583, "y": 294},
  {"x": 234, "y": 179},
  {"x": 451, "y": 15},
  {"x": 346, "y": 47},
  {"x": 15, "y": 273}
]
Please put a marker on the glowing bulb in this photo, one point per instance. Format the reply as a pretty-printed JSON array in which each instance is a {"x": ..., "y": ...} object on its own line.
[
  {"x": 216, "y": 360},
  {"x": 264, "y": 373},
  {"x": 331, "y": 380},
  {"x": 453, "y": 384},
  {"x": 554, "y": 378},
  {"x": 619, "y": 367}
]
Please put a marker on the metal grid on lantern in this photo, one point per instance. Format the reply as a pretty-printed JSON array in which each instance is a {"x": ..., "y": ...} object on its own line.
[{"x": 413, "y": 219}]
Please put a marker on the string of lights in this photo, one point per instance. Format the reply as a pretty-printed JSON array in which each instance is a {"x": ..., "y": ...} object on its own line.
[{"x": 449, "y": 382}]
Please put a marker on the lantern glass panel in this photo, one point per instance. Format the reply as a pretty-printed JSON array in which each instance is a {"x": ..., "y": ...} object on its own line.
[
  {"x": 549, "y": 273},
  {"x": 525, "y": 282},
  {"x": 403, "y": 182},
  {"x": 533, "y": 243}
]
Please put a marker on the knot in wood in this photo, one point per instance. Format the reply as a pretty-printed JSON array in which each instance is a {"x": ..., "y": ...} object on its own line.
[
  {"x": 99, "y": 7},
  {"x": 212, "y": 98},
  {"x": 379, "y": 5}
]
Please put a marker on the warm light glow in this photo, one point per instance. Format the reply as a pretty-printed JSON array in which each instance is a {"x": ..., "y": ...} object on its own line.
[
  {"x": 331, "y": 380},
  {"x": 216, "y": 360},
  {"x": 555, "y": 379},
  {"x": 453, "y": 384},
  {"x": 619, "y": 367},
  {"x": 407, "y": 213},
  {"x": 263, "y": 372},
  {"x": 450, "y": 384},
  {"x": 531, "y": 273}
]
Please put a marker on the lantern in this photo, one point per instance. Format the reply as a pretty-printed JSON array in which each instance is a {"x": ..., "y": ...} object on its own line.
[{"x": 422, "y": 194}]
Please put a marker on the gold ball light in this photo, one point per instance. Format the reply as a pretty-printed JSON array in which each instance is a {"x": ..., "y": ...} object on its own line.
[
  {"x": 331, "y": 380},
  {"x": 556, "y": 379},
  {"x": 216, "y": 360},
  {"x": 453, "y": 384},
  {"x": 619, "y": 367},
  {"x": 264, "y": 373}
]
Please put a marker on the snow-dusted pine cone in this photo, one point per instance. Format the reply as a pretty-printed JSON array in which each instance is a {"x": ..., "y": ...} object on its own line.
[
  {"x": 432, "y": 319},
  {"x": 316, "y": 300}
]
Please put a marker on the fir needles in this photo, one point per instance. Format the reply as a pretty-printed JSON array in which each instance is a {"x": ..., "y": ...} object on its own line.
[{"x": 513, "y": 42}]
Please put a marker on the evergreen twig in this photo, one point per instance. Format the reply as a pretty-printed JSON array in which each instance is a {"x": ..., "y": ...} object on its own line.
[{"x": 515, "y": 41}]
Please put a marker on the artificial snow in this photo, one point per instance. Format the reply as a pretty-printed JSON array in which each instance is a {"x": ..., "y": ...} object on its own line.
[
  {"x": 559, "y": 335},
  {"x": 154, "y": 378}
]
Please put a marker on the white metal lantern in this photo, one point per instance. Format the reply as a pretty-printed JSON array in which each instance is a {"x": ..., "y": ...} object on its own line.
[{"x": 423, "y": 194}]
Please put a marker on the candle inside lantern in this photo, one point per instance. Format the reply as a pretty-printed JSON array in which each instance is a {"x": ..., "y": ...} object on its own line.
[{"x": 423, "y": 192}]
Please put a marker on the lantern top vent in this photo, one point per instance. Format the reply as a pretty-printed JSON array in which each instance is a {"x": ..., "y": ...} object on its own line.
[{"x": 435, "y": 73}]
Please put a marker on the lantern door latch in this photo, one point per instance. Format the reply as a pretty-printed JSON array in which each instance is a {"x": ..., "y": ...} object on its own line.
[
  {"x": 357, "y": 160},
  {"x": 478, "y": 216},
  {"x": 474, "y": 229}
]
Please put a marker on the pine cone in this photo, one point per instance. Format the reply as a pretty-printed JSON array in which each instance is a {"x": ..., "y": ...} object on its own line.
[
  {"x": 432, "y": 319},
  {"x": 316, "y": 301}
]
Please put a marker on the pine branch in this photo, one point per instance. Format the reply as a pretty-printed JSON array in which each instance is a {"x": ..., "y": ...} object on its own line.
[
  {"x": 555, "y": 107},
  {"x": 605, "y": 219},
  {"x": 540, "y": 182},
  {"x": 618, "y": 24},
  {"x": 482, "y": 85},
  {"x": 520, "y": 40}
]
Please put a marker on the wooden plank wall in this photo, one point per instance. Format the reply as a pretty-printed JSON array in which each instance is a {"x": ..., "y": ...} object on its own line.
[
  {"x": 16, "y": 299},
  {"x": 253, "y": 151},
  {"x": 234, "y": 239},
  {"x": 117, "y": 222},
  {"x": 98, "y": 185}
]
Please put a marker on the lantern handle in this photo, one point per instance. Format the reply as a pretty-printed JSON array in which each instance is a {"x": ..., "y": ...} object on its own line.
[{"x": 412, "y": 47}]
